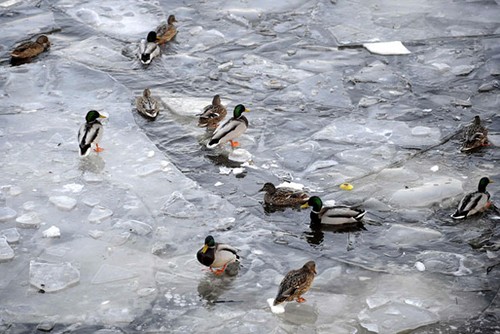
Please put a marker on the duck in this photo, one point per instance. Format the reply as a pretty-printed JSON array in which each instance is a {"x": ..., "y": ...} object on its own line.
[
  {"x": 216, "y": 255},
  {"x": 296, "y": 283},
  {"x": 475, "y": 136},
  {"x": 333, "y": 215},
  {"x": 212, "y": 114},
  {"x": 148, "y": 49},
  {"x": 283, "y": 196},
  {"x": 474, "y": 202},
  {"x": 231, "y": 129},
  {"x": 147, "y": 105},
  {"x": 90, "y": 133},
  {"x": 31, "y": 49},
  {"x": 165, "y": 32}
]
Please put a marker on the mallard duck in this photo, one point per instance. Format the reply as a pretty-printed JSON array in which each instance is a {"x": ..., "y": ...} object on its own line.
[
  {"x": 296, "y": 283},
  {"x": 283, "y": 196},
  {"x": 31, "y": 49},
  {"x": 215, "y": 255},
  {"x": 165, "y": 32},
  {"x": 147, "y": 105},
  {"x": 212, "y": 114},
  {"x": 231, "y": 129},
  {"x": 333, "y": 215},
  {"x": 475, "y": 136},
  {"x": 148, "y": 49},
  {"x": 474, "y": 202},
  {"x": 90, "y": 133}
]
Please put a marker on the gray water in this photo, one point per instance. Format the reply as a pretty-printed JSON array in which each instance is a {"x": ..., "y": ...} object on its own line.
[{"x": 323, "y": 111}]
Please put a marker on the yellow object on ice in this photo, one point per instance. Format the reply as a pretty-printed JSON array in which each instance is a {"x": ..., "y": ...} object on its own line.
[{"x": 346, "y": 186}]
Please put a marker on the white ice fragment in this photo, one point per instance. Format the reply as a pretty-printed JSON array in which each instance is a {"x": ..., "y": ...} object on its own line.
[
  {"x": 278, "y": 309},
  {"x": 11, "y": 235},
  {"x": 51, "y": 277},
  {"x": 421, "y": 131},
  {"x": 52, "y": 232},
  {"x": 224, "y": 170},
  {"x": 134, "y": 226},
  {"x": 218, "y": 184},
  {"x": 463, "y": 70},
  {"x": 73, "y": 187},
  {"x": 6, "y": 253},
  {"x": 99, "y": 213},
  {"x": 7, "y": 213},
  {"x": 428, "y": 193},
  {"x": 387, "y": 48},
  {"x": 257, "y": 252},
  {"x": 225, "y": 66},
  {"x": 329, "y": 202},
  {"x": 96, "y": 234},
  {"x": 445, "y": 263},
  {"x": 240, "y": 155},
  {"x": 434, "y": 168},
  {"x": 63, "y": 202},
  {"x": 238, "y": 170},
  {"x": 441, "y": 66},
  {"x": 28, "y": 220},
  {"x": 111, "y": 273},
  {"x": 420, "y": 266},
  {"x": 151, "y": 154},
  {"x": 292, "y": 185},
  {"x": 106, "y": 302}
]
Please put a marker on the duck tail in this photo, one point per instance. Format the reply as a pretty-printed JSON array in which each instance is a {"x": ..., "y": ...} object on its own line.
[
  {"x": 84, "y": 150},
  {"x": 459, "y": 215},
  {"x": 212, "y": 143},
  {"x": 360, "y": 215}
]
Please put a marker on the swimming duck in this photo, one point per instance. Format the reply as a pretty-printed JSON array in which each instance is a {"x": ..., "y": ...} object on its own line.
[
  {"x": 165, "y": 32},
  {"x": 147, "y": 105},
  {"x": 333, "y": 215},
  {"x": 90, "y": 133},
  {"x": 31, "y": 49},
  {"x": 212, "y": 114},
  {"x": 296, "y": 283},
  {"x": 474, "y": 202},
  {"x": 215, "y": 255},
  {"x": 283, "y": 196},
  {"x": 148, "y": 49},
  {"x": 475, "y": 136},
  {"x": 231, "y": 129}
]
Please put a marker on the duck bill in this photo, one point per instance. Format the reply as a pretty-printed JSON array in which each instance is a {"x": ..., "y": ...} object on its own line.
[
  {"x": 204, "y": 249},
  {"x": 102, "y": 116},
  {"x": 304, "y": 206},
  {"x": 247, "y": 110}
]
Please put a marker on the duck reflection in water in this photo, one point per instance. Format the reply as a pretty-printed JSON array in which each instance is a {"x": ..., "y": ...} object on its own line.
[
  {"x": 212, "y": 287},
  {"x": 316, "y": 235}
]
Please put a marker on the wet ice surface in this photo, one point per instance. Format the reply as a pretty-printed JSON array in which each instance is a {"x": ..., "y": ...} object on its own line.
[{"x": 323, "y": 111}]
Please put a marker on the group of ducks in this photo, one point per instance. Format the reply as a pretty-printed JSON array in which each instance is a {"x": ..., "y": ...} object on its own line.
[{"x": 149, "y": 48}]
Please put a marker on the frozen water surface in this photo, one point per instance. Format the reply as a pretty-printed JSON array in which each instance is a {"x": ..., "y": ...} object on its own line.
[{"x": 324, "y": 111}]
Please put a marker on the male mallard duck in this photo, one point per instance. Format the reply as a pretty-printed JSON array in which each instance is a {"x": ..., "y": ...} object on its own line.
[
  {"x": 31, "y": 49},
  {"x": 474, "y": 202},
  {"x": 475, "y": 136},
  {"x": 296, "y": 283},
  {"x": 231, "y": 129},
  {"x": 333, "y": 215},
  {"x": 90, "y": 133},
  {"x": 165, "y": 32},
  {"x": 147, "y": 105},
  {"x": 148, "y": 49},
  {"x": 215, "y": 255},
  {"x": 212, "y": 114},
  {"x": 283, "y": 196}
]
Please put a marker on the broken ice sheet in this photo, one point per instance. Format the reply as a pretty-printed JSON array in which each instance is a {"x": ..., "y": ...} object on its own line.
[
  {"x": 178, "y": 206},
  {"x": 110, "y": 273},
  {"x": 28, "y": 220},
  {"x": 51, "y": 277},
  {"x": 11, "y": 235},
  {"x": 99, "y": 213},
  {"x": 387, "y": 48},
  {"x": 7, "y": 213},
  {"x": 63, "y": 202},
  {"x": 6, "y": 253}
]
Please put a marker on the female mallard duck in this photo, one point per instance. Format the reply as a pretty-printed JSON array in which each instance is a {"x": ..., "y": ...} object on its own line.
[
  {"x": 283, "y": 196},
  {"x": 147, "y": 105},
  {"x": 212, "y": 114},
  {"x": 333, "y": 215},
  {"x": 90, "y": 133},
  {"x": 148, "y": 49},
  {"x": 165, "y": 32},
  {"x": 474, "y": 202},
  {"x": 231, "y": 129},
  {"x": 475, "y": 136},
  {"x": 296, "y": 283},
  {"x": 215, "y": 255},
  {"x": 31, "y": 49}
]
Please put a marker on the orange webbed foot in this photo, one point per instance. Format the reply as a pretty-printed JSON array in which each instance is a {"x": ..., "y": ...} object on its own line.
[
  {"x": 234, "y": 143},
  {"x": 98, "y": 149},
  {"x": 220, "y": 271},
  {"x": 300, "y": 300}
]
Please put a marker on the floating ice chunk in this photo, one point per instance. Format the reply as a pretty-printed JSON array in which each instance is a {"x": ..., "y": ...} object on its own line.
[
  {"x": 225, "y": 66},
  {"x": 421, "y": 131},
  {"x": 88, "y": 16},
  {"x": 15, "y": 191},
  {"x": 278, "y": 309},
  {"x": 150, "y": 154},
  {"x": 434, "y": 168},
  {"x": 51, "y": 277},
  {"x": 7, "y": 213},
  {"x": 91, "y": 201},
  {"x": 403, "y": 235},
  {"x": 11, "y": 235},
  {"x": 110, "y": 273},
  {"x": 6, "y": 253},
  {"x": 463, "y": 70},
  {"x": 427, "y": 194},
  {"x": 96, "y": 234},
  {"x": 52, "y": 232},
  {"x": 73, "y": 187},
  {"x": 224, "y": 170},
  {"x": 420, "y": 266},
  {"x": 441, "y": 66},
  {"x": 238, "y": 170},
  {"x": 63, "y": 202},
  {"x": 395, "y": 317},
  {"x": 99, "y": 213},
  {"x": 240, "y": 155},
  {"x": 387, "y": 48},
  {"x": 292, "y": 185},
  {"x": 444, "y": 263},
  {"x": 218, "y": 184},
  {"x": 28, "y": 220},
  {"x": 178, "y": 206},
  {"x": 134, "y": 226}
]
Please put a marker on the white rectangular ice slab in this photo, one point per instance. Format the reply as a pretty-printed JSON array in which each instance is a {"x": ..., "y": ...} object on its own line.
[{"x": 387, "y": 48}]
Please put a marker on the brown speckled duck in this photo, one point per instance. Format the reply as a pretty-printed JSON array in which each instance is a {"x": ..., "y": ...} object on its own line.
[
  {"x": 283, "y": 196},
  {"x": 30, "y": 49},
  {"x": 165, "y": 32},
  {"x": 212, "y": 114},
  {"x": 296, "y": 283},
  {"x": 475, "y": 136},
  {"x": 147, "y": 105}
]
